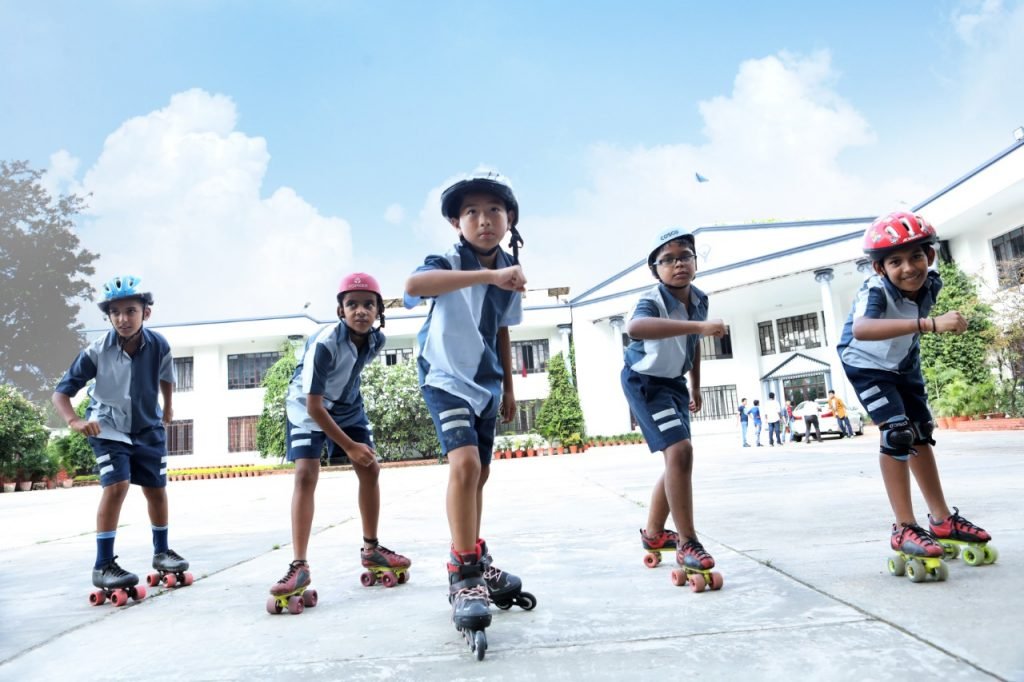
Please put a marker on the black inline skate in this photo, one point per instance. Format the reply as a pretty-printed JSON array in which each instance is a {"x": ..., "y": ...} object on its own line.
[
  {"x": 503, "y": 588},
  {"x": 467, "y": 593}
]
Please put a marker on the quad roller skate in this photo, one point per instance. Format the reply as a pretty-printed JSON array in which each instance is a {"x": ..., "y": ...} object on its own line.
[
  {"x": 504, "y": 589},
  {"x": 918, "y": 555},
  {"x": 170, "y": 570},
  {"x": 695, "y": 566},
  {"x": 290, "y": 593},
  {"x": 116, "y": 584},
  {"x": 655, "y": 545},
  {"x": 390, "y": 568},
  {"x": 960, "y": 537},
  {"x": 467, "y": 593}
]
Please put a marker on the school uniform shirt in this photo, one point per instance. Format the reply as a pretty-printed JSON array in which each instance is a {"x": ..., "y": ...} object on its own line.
[
  {"x": 459, "y": 340},
  {"x": 330, "y": 367},
  {"x": 669, "y": 358},
  {"x": 879, "y": 299},
  {"x": 123, "y": 398},
  {"x": 771, "y": 411}
]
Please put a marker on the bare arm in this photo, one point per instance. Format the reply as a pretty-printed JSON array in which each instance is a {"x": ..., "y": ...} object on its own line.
[
  {"x": 167, "y": 390},
  {"x": 870, "y": 329},
  {"x": 696, "y": 401},
  {"x": 359, "y": 453},
  {"x": 653, "y": 328},
  {"x": 508, "y": 397},
  {"x": 437, "y": 282},
  {"x": 62, "y": 402}
]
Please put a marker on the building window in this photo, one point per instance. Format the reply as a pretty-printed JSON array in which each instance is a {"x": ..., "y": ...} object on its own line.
[
  {"x": 766, "y": 334},
  {"x": 805, "y": 387},
  {"x": 182, "y": 374},
  {"x": 247, "y": 370},
  {"x": 242, "y": 433},
  {"x": 529, "y": 357},
  {"x": 799, "y": 332},
  {"x": 712, "y": 348},
  {"x": 525, "y": 420},
  {"x": 179, "y": 437},
  {"x": 717, "y": 402},
  {"x": 1008, "y": 250},
  {"x": 394, "y": 356}
]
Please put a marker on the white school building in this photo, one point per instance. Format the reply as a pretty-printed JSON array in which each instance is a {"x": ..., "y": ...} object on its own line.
[{"x": 783, "y": 289}]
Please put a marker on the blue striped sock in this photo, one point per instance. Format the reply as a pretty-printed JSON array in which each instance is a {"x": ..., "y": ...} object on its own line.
[
  {"x": 159, "y": 539},
  {"x": 104, "y": 547}
]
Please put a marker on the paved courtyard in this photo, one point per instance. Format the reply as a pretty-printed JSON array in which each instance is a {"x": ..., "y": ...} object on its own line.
[{"x": 799, "y": 532}]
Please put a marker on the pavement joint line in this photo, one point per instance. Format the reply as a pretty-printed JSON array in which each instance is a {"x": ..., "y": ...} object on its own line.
[{"x": 896, "y": 626}]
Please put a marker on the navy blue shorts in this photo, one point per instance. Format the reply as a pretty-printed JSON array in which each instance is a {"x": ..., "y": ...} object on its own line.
[
  {"x": 303, "y": 444},
  {"x": 889, "y": 394},
  {"x": 661, "y": 407},
  {"x": 142, "y": 462},
  {"x": 458, "y": 426}
]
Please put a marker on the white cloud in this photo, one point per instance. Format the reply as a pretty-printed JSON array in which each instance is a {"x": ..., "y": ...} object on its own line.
[
  {"x": 177, "y": 198},
  {"x": 394, "y": 214},
  {"x": 974, "y": 17},
  {"x": 60, "y": 175},
  {"x": 986, "y": 90}
]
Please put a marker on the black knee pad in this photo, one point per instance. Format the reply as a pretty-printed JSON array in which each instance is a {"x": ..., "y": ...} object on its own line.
[
  {"x": 898, "y": 437},
  {"x": 924, "y": 433}
]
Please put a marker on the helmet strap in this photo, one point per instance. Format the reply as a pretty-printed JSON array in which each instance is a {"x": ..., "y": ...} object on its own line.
[
  {"x": 515, "y": 241},
  {"x": 124, "y": 341}
]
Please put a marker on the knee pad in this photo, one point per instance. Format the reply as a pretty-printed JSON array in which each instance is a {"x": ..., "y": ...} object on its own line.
[
  {"x": 924, "y": 433},
  {"x": 898, "y": 437}
]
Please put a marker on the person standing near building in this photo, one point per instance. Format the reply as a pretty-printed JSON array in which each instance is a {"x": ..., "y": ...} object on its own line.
[
  {"x": 773, "y": 415},
  {"x": 755, "y": 415},
  {"x": 742, "y": 418},
  {"x": 838, "y": 407},
  {"x": 809, "y": 412}
]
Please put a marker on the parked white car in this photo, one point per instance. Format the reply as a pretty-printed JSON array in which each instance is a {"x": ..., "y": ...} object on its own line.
[{"x": 827, "y": 421}]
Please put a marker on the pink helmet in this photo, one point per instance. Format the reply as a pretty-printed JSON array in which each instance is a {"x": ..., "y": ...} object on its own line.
[
  {"x": 896, "y": 231},
  {"x": 360, "y": 281}
]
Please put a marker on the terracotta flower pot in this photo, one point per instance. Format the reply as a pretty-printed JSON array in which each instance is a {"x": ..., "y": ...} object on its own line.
[{"x": 68, "y": 483}]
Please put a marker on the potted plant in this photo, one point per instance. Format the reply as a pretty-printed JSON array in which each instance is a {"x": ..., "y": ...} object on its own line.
[
  {"x": 8, "y": 472},
  {"x": 573, "y": 441}
]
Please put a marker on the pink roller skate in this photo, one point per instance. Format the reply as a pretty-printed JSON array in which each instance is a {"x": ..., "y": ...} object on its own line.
[
  {"x": 290, "y": 591},
  {"x": 918, "y": 555},
  {"x": 695, "y": 566},
  {"x": 385, "y": 565},
  {"x": 956, "y": 534},
  {"x": 654, "y": 545}
]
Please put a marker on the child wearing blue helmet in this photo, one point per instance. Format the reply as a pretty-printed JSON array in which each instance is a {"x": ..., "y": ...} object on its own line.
[
  {"x": 665, "y": 329},
  {"x": 130, "y": 367}
]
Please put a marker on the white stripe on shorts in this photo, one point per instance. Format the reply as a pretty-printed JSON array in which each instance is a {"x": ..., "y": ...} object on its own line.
[
  {"x": 163, "y": 472},
  {"x": 454, "y": 412},
  {"x": 878, "y": 403},
  {"x": 454, "y": 424},
  {"x": 106, "y": 470},
  {"x": 163, "y": 460},
  {"x": 299, "y": 442},
  {"x": 102, "y": 458},
  {"x": 668, "y": 425},
  {"x": 664, "y": 413},
  {"x": 870, "y": 392}
]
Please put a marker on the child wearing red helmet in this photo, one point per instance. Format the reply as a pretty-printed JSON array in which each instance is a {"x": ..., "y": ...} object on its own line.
[
  {"x": 880, "y": 353},
  {"x": 325, "y": 407}
]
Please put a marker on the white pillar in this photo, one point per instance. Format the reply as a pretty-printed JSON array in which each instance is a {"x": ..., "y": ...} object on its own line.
[
  {"x": 824, "y": 278},
  {"x": 565, "y": 330}
]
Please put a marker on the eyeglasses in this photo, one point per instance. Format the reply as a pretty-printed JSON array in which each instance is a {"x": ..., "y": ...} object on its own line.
[{"x": 673, "y": 260}]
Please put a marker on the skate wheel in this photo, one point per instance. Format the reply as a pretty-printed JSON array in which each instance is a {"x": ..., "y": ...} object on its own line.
[
  {"x": 273, "y": 607},
  {"x": 916, "y": 570},
  {"x": 717, "y": 581},
  {"x": 972, "y": 557},
  {"x": 652, "y": 559},
  {"x": 991, "y": 554},
  {"x": 897, "y": 566},
  {"x": 138, "y": 593},
  {"x": 678, "y": 577},
  {"x": 170, "y": 580},
  {"x": 295, "y": 605},
  {"x": 479, "y": 644},
  {"x": 153, "y": 579},
  {"x": 950, "y": 552},
  {"x": 503, "y": 605},
  {"x": 941, "y": 572},
  {"x": 98, "y": 597},
  {"x": 526, "y": 601},
  {"x": 187, "y": 579},
  {"x": 368, "y": 579},
  {"x": 697, "y": 582},
  {"x": 118, "y": 597},
  {"x": 388, "y": 579},
  {"x": 403, "y": 577},
  {"x": 309, "y": 598}
]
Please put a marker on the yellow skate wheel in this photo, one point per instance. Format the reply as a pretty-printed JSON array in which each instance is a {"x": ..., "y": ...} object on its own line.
[
  {"x": 991, "y": 554},
  {"x": 941, "y": 572},
  {"x": 973, "y": 556},
  {"x": 897, "y": 566},
  {"x": 950, "y": 551},
  {"x": 916, "y": 571}
]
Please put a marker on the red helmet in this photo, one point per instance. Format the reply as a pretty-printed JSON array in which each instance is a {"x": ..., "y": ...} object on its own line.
[
  {"x": 360, "y": 281},
  {"x": 896, "y": 231}
]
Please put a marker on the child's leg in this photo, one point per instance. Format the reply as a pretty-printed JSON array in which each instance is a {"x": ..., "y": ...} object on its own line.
[
  {"x": 369, "y": 497},
  {"x": 678, "y": 486},
  {"x": 658, "y": 513},
  {"x": 926, "y": 473},
  {"x": 156, "y": 503},
  {"x": 896, "y": 476},
  {"x": 463, "y": 497},
  {"x": 485, "y": 473},
  {"x": 307, "y": 473}
]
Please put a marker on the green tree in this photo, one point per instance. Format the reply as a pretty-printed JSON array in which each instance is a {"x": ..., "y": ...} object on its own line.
[
  {"x": 271, "y": 428},
  {"x": 76, "y": 455},
  {"x": 23, "y": 435},
  {"x": 966, "y": 353},
  {"x": 561, "y": 418},
  {"x": 402, "y": 427},
  {"x": 42, "y": 273},
  {"x": 1008, "y": 350}
]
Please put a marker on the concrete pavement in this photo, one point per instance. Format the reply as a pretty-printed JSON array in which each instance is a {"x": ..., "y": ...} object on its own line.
[{"x": 799, "y": 532}]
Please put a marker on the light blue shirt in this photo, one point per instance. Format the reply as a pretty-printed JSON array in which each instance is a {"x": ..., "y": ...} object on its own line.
[{"x": 669, "y": 358}]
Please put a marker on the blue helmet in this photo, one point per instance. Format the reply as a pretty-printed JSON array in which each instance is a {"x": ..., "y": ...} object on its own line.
[{"x": 123, "y": 286}]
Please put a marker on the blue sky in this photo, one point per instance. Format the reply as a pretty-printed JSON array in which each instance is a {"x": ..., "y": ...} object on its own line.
[{"x": 261, "y": 150}]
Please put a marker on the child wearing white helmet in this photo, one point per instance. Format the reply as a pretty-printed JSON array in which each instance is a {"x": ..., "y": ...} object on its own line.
[
  {"x": 131, "y": 367},
  {"x": 324, "y": 406},
  {"x": 665, "y": 330},
  {"x": 466, "y": 378}
]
